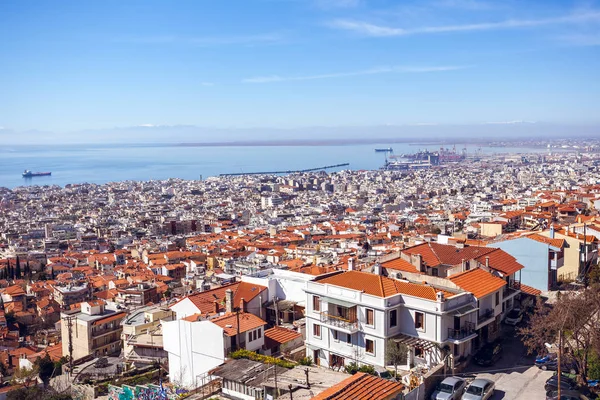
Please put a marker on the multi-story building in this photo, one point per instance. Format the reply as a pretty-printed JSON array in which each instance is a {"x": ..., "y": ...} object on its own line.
[
  {"x": 71, "y": 293},
  {"x": 94, "y": 330},
  {"x": 142, "y": 335},
  {"x": 137, "y": 295},
  {"x": 352, "y": 315}
]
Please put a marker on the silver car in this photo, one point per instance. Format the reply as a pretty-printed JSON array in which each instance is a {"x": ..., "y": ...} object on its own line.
[
  {"x": 479, "y": 389},
  {"x": 450, "y": 389}
]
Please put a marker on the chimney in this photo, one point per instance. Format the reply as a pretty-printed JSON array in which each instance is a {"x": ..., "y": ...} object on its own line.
[
  {"x": 351, "y": 264},
  {"x": 552, "y": 231},
  {"x": 440, "y": 297},
  {"x": 216, "y": 310},
  {"x": 377, "y": 269},
  {"x": 463, "y": 265},
  {"x": 229, "y": 300},
  {"x": 243, "y": 305},
  {"x": 487, "y": 262}
]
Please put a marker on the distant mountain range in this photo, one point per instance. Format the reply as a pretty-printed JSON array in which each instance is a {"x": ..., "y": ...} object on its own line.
[{"x": 307, "y": 136}]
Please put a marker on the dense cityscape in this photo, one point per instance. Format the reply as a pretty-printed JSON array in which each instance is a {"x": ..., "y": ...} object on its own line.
[{"x": 408, "y": 279}]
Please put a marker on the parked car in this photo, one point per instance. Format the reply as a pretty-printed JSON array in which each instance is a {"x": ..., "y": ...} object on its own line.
[
  {"x": 514, "y": 317},
  {"x": 451, "y": 388},
  {"x": 542, "y": 362},
  {"x": 384, "y": 373},
  {"x": 479, "y": 389},
  {"x": 565, "y": 383},
  {"x": 550, "y": 363},
  {"x": 564, "y": 395},
  {"x": 488, "y": 354}
]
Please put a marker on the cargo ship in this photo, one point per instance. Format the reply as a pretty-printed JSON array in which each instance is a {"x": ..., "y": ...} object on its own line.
[
  {"x": 28, "y": 174},
  {"x": 385, "y": 150}
]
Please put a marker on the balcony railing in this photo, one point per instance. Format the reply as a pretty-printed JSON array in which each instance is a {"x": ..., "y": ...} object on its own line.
[
  {"x": 511, "y": 288},
  {"x": 458, "y": 334},
  {"x": 487, "y": 314},
  {"x": 338, "y": 321}
]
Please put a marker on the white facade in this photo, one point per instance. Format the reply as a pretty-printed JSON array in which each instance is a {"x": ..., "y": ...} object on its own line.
[
  {"x": 364, "y": 342},
  {"x": 194, "y": 349}
]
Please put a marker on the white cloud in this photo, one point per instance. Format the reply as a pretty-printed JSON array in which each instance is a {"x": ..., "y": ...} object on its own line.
[
  {"x": 337, "y": 3},
  {"x": 207, "y": 41},
  {"x": 581, "y": 39},
  {"x": 472, "y": 5},
  {"x": 147, "y": 126},
  {"x": 369, "y": 29},
  {"x": 518, "y": 122},
  {"x": 372, "y": 71}
]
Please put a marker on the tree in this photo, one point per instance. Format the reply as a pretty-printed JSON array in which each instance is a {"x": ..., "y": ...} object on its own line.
[
  {"x": 46, "y": 368},
  {"x": 395, "y": 353},
  {"x": 574, "y": 318},
  {"x": 18, "y": 269}
]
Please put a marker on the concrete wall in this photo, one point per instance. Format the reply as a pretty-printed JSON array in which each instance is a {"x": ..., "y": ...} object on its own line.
[
  {"x": 194, "y": 349},
  {"x": 533, "y": 256}
]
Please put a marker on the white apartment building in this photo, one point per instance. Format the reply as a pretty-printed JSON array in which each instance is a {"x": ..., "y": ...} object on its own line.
[{"x": 351, "y": 315}]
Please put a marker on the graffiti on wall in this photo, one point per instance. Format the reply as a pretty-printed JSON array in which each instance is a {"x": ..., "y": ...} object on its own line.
[{"x": 144, "y": 392}]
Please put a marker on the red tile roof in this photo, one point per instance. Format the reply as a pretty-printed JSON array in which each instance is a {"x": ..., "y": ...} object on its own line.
[
  {"x": 501, "y": 261},
  {"x": 435, "y": 254},
  {"x": 229, "y": 323},
  {"x": 381, "y": 286},
  {"x": 478, "y": 282},
  {"x": 400, "y": 265},
  {"x": 560, "y": 243},
  {"x": 530, "y": 290},
  {"x": 362, "y": 386},
  {"x": 205, "y": 301},
  {"x": 278, "y": 335}
]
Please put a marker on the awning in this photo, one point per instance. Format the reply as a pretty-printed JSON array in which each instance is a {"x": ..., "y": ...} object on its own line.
[
  {"x": 339, "y": 302},
  {"x": 411, "y": 341},
  {"x": 464, "y": 310}
]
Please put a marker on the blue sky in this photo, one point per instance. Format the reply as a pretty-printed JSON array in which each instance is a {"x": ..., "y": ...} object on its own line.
[{"x": 73, "y": 65}]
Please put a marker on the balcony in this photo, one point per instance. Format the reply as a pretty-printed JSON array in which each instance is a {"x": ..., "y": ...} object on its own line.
[
  {"x": 103, "y": 331},
  {"x": 511, "y": 289},
  {"x": 485, "y": 317},
  {"x": 463, "y": 334},
  {"x": 338, "y": 322}
]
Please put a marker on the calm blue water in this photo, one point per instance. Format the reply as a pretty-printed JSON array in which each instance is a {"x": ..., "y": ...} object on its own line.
[{"x": 109, "y": 163}]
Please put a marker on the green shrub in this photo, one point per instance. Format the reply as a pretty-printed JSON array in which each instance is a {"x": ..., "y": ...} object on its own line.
[
  {"x": 593, "y": 366},
  {"x": 308, "y": 361},
  {"x": 353, "y": 368},
  {"x": 251, "y": 355}
]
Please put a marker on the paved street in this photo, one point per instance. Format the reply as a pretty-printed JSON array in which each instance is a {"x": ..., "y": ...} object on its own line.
[{"x": 515, "y": 375}]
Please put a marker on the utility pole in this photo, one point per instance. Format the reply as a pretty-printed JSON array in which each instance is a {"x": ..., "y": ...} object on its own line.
[
  {"x": 70, "y": 320},
  {"x": 237, "y": 336},
  {"x": 291, "y": 395},
  {"x": 306, "y": 373},
  {"x": 276, "y": 311},
  {"x": 276, "y": 388},
  {"x": 559, "y": 358}
]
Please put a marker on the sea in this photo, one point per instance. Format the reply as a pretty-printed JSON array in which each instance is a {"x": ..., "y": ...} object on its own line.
[{"x": 102, "y": 163}]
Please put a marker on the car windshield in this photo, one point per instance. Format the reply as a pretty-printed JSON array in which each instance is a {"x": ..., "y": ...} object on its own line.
[
  {"x": 385, "y": 374},
  {"x": 475, "y": 390},
  {"x": 513, "y": 314},
  {"x": 445, "y": 388}
]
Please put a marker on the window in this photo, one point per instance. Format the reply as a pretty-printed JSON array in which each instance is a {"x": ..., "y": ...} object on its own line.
[
  {"x": 348, "y": 338},
  {"x": 259, "y": 333},
  {"x": 317, "y": 330},
  {"x": 419, "y": 321},
  {"x": 419, "y": 352},
  {"x": 497, "y": 298},
  {"x": 370, "y": 318},
  {"x": 370, "y": 346},
  {"x": 316, "y": 303},
  {"x": 393, "y": 318},
  {"x": 335, "y": 335}
]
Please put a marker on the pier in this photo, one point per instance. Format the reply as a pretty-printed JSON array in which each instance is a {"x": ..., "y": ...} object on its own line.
[{"x": 288, "y": 171}]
